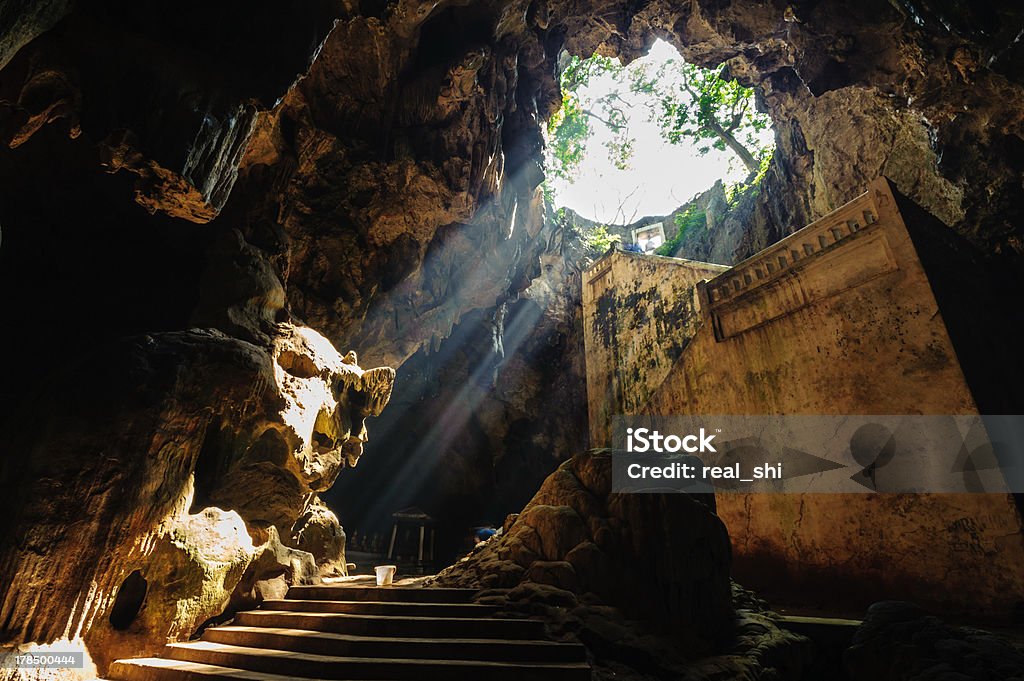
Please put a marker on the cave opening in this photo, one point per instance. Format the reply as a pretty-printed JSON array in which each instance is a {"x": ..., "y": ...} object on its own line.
[
  {"x": 640, "y": 139},
  {"x": 129, "y": 600},
  {"x": 210, "y": 465}
]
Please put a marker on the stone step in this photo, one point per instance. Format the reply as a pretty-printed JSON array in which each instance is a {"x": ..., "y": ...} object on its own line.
[
  {"x": 322, "y": 643},
  {"x": 383, "y": 608},
  {"x": 386, "y": 625},
  {"x": 162, "y": 669},
  {"x": 309, "y": 665},
  {"x": 831, "y": 635},
  {"x": 389, "y": 594},
  {"x": 821, "y": 628}
]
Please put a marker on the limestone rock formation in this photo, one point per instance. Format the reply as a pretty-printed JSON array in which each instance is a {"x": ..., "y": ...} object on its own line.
[
  {"x": 163, "y": 456},
  {"x": 195, "y": 563},
  {"x": 239, "y": 291},
  {"x": 274, "y": 567},
  {"x": 663, "y": 558},
  {"x": 319, "y": 532},
  {"x": 200, "y": 83},
  {"x": 23, "y": 21}
]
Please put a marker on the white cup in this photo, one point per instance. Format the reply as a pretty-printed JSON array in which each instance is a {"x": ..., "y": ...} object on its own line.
[{"x": 385, "y": 574}]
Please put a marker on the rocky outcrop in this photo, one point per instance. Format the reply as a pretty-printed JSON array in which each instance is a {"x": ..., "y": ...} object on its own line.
[
  {"x": 195, "y": 563},
  {"x": 640, "y": 579},
  {"x": 662, "y": 558},
  {"x": 319, "y": 532},
  {"x": 22, "y": 21},
  {"x": 177, "y": 110},
  {"x": 901, "y": 642},
  {"x": 274, "y": 567},
  {"x": 163, "y": 456},
  {"x": 403, "y": 172}
]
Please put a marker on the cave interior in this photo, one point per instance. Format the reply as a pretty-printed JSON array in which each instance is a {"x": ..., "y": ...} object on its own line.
[{"x": 291, "y": 269}]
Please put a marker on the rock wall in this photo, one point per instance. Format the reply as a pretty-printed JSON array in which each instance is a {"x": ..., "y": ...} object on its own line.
[{"x": 180, "y": 457}]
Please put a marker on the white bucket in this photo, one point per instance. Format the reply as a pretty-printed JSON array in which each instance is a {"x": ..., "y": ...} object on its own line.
[{"x": 385, "y": 574}]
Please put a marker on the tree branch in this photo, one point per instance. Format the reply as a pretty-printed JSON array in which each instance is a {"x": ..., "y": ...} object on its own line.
[{"x": 614, "y": 126}]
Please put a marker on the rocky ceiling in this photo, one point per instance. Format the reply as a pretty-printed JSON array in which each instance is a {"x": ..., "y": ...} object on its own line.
[{"x": 393, "y": 186}]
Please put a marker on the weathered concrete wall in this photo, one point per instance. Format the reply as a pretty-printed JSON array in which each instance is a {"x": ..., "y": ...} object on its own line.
[
  {"x": 820, "y": 325},
  {"x": 640, "y": 313},
  {"x": 838, "y": 318}
]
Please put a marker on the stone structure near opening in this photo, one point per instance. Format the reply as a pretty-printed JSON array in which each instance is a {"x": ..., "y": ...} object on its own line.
[{"x": 854, "y": 314}]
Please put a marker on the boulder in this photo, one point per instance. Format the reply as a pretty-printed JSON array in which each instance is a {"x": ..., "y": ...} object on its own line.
[
  {"x": 274, "y": 568},
  {"x": 319, "y": 532},
  {"x": 197, "y": 560}
]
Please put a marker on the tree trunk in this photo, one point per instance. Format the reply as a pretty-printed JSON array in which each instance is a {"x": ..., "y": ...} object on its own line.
[{"x": 726, "y": 136}]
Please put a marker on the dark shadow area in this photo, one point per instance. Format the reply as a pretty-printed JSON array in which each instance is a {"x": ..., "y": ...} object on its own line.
[
  {"x": 979, "y": 296},
  {"x": 210, "y": 466},
  {"x": 84, "y": 263},
  {"x": 446, "y": 36},
  {"x": 129, "y": 600}
]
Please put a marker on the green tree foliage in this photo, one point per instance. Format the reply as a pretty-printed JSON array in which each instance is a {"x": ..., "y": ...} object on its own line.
[
  {"x": 568, "y": 132},
  {"x": 698, "y": 104},
  {"x": 571, "y": 127},
  {"x": 691, "y": 219},
  {"x": 690, "y": 104},
  {"x": 599, "y": 238}
]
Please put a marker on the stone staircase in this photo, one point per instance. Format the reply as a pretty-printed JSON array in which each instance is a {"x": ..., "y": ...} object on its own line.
[{"x": 378, "y": 633}]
